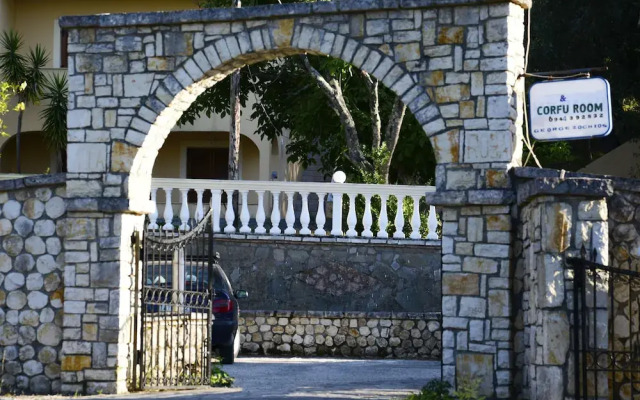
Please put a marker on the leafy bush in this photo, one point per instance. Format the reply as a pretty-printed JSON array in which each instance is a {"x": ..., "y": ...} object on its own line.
[
  {"x": 440, "y": 390},
  {"x": 220, "y": 378},
  {"x": 468, "y": 390},
  {"x": 434, "y": 390}
]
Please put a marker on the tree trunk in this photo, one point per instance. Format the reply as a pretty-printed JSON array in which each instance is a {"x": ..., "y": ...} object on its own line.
[
  {"x": 18, "y": 131},
  {"x": 374, "y": 110},
  {"x": 333, "y": 93},
  {"x": 234, "y": 134},
  {"x": 393, "y": 134}
]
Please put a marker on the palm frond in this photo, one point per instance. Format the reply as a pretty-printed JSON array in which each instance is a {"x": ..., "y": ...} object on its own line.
[
  {"x": 12, "y": 63},
  {"x": 35, "y": 78},
  {"x": 54, "y": 114}
]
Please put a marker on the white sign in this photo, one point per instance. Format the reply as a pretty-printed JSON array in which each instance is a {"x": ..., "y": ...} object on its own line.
[{"x": 571, "y": 109}]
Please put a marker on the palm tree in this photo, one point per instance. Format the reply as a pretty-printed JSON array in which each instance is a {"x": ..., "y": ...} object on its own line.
[
  {"x": 17, "y": 70},
  {"x": 54, "y": 117}
]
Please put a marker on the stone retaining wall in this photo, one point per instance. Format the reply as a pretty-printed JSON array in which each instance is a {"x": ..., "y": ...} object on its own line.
[
  {"x": 342, "y": 275},
  {"x": 624, "y": 225},
  {"x": 337, "y": 334},
  {"x": 31, "y": 283}
]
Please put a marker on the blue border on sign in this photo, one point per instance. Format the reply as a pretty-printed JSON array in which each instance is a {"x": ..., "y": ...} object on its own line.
[{"x": 609, "y": 116}]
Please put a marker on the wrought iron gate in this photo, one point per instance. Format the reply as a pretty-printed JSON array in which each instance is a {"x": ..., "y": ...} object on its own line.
[
  {"x": 175, "y": 312},
  {"x": 605, "y": 331}
]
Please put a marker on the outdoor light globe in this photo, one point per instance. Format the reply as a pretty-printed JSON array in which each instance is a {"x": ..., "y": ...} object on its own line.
[{"x": 339, "y": 177}]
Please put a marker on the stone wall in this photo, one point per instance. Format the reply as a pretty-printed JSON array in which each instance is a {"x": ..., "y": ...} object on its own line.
[
  {"x": 336, "y": 334},
  {"x": 333, "y": 274},
  {"x": 32, "y": 212},
  {"x": 558, "y": 216},
  {"x": 624, "y": 225}
]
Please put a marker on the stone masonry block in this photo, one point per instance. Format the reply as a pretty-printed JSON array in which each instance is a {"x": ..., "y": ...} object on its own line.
[
  {"x": 88, "y": 157},
  {"x": 460, "y": 284}
]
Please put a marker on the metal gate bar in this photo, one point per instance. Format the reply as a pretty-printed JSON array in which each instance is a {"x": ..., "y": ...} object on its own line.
[
  {"x": 605, "y": 331},
  {"x": 176, "y": 297}
]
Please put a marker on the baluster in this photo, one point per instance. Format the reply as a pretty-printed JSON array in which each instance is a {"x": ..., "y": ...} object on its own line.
[
  {"x": 230, "y": 214},
  {"x": 199, "y": 206},
  {"x": 352, "y": 218},
  {"x": 415, "y": 218},
  {"x": 336, "y": 230},
  {"x": 291, "y": 216},
  {"x": 168, "y": 210},
  {"x": 244, "y": 214},
  {"x": 260, "y": 216},
  {"x": 153, "y": 217},
  {"x": 383, "y": 220},
  {"x": 305, "y": 218},
  {"x": 184, "y": 211},
  {"x": 216, "y": 204},
  {"x": 367, "y": 218},
  {"x": 399, "y": 234},
  {"x": 432, "y": 223},
  {"x": 320, "y": 217},
  {"x": 275, "y": 215}
]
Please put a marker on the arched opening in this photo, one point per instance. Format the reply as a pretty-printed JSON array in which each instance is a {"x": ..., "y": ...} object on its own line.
[
  {"x": 398, "y": 283},
  {"x": 176, "y": 92},
  {"x": 33, "y": 147}
]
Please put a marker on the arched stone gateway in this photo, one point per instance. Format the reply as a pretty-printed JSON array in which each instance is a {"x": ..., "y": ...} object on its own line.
[{"x": 455, "y": 63}]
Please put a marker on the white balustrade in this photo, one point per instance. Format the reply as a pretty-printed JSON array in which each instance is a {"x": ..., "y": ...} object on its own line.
[
  {"x": 259, "y": 199},
  {"x": 153, "y": 217},
  {"x": 244, "y": 215},
  {"x": 305, "y": 217},
  {"x": 275, "y": 215},
  {"x": 184, "y": 210},
  {"x": 199, "y": 206},
  {"x": 367, "y": 219},
  {"x": 260, "y": 216},
  {"x": 291, "y": 217},
  {"x": 399, "y": 221},
  {"x": 321, "y": 219},
  {"x": 351, "y": 217},
  {"x": 168, "y": 209},
  {"x": 230, "y": 215},
  {"x": 383, "y": 220}
]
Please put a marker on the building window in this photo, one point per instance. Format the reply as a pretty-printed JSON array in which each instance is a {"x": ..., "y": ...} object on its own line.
[
  {"x": 206, "y": 163},
  {"x": 64, "y": 53}
]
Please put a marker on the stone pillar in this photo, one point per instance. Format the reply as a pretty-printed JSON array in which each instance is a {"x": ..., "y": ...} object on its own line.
[
  {"x": 477, "y": 197},
  {"x": 558, "y": 217},
  {"x": 98, "y": 277},
  {"x": 476, "y": 305}
]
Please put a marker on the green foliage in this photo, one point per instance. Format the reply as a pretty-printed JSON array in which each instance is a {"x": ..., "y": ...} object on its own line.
[
  {"x": 434, "y": 390},
  {"x": 54, "y": 115},
  {"x": 17, "y": 69},
  {"x": 468, "y": 389},
  {"x": 576, "y": 34},
  {"x": 7, "y": 91},
  {"x": 288, "y": 99},
  {"x": 440, "y": 390},
  {"x": 220, "y": 378}
]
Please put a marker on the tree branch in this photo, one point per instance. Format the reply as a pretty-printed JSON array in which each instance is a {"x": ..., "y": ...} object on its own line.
[
  {"x": 394, "y": 126},
  {"x": 335, "y": 97},
  {"x": 374, "y": 109}
]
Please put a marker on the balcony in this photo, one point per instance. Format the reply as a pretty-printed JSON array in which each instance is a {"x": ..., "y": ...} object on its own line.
[{"x": 302, "y": 209}]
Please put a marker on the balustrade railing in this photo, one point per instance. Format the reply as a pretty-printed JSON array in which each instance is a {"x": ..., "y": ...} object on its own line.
[{"x": 295, "y": 208}]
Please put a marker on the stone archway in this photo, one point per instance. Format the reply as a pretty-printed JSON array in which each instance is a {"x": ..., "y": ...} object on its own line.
[{"x": 455, "y": 66}]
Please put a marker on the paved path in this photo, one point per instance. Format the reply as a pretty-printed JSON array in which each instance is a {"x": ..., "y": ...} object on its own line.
[{"x": 311, "y": 378}]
